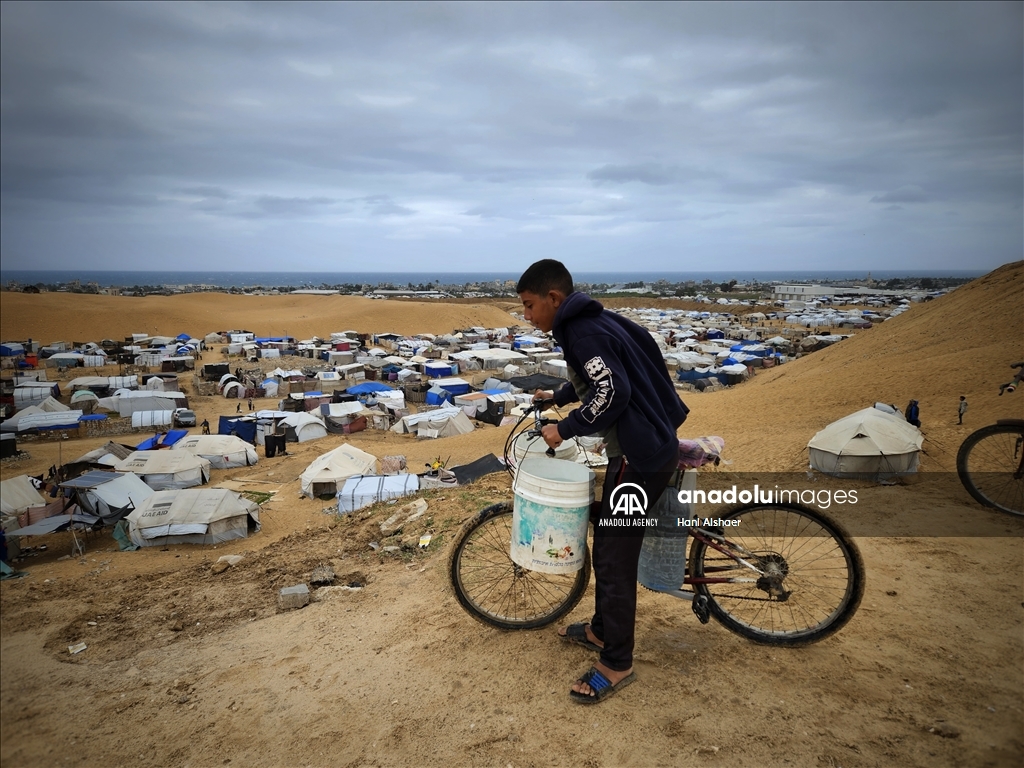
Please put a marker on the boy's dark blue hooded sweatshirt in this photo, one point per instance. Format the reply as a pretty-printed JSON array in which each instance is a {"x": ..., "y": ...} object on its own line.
[{"x": 629, "y": 383}]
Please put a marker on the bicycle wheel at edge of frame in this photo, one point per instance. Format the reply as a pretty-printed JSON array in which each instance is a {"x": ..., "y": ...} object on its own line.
[
  {"x": 963, "y": 455},
  {"x": 843, "y": 612},
  {"x": 489, "y": 514}
]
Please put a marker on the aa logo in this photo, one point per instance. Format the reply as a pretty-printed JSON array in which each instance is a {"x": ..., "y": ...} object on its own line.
[{"x": 629, "y": 498}]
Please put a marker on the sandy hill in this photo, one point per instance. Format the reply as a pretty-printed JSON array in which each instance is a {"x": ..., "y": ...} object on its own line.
[
  {"x": 959, "y": 344},
  {"x": 81, "y": 317}
]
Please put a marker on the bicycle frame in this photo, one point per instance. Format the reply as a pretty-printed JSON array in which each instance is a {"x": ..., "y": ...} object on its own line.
[{"x": 730, "y": 549}]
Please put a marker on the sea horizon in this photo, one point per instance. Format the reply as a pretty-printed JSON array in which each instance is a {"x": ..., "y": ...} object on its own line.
[{"x": 298, "y": 280}]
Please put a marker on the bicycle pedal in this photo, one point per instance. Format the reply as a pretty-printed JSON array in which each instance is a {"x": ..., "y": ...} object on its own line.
[{"x": 701, "y": 609}]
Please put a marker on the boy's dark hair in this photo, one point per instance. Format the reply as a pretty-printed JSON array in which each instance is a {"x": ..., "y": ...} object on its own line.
[{"x": 545, "y": 275}]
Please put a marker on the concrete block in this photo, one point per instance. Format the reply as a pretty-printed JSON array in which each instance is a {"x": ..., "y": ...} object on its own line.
[{"x": 293, "y": 597}]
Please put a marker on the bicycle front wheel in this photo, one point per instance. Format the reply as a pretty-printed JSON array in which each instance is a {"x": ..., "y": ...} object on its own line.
[
  {"x": 990, "y": 463},
  {"x": 497, "y": 591},
  {"x": 808, "y": 582}
]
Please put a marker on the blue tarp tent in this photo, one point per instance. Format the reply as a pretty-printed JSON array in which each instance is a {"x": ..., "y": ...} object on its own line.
[
  {"x": 166, "y": 440},
  {"x": 11, "y": 350},
  {"x": 714, "y": 333},
  {"x": 437, "y": 396},
  {"x": 182, "y": 337},
  {"x": 243, "y": 429},
  {"x": 367, "y": 387},
  {"x": 439, "y": 370}
]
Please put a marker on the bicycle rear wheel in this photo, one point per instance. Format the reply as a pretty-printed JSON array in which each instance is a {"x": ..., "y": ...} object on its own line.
[
  {"x": 811, "y": 580},
  {"x": 495, "y": 590},
  {"x": 990, "y": 463}
]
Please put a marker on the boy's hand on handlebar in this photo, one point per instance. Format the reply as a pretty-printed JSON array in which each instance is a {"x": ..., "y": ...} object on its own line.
[
  {"x": 543, "y": 394},
  {"x": 550, "y": 434}
]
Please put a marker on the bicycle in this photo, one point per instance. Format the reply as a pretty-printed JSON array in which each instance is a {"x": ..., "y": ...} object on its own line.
[
  {"x": 990, "y": 464},
  {"x": 784, "y": 575}
]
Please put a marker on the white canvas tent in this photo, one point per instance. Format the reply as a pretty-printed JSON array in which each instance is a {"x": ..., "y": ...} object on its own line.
[
  {"x": 327, "y": 472},
  {"x": 222, "y": 451},
  {"x": 305, "y": 426},
  {"x": 17, "y": 495},
  {"x": 197, "y": 516},
  {"x": 142, "y": 419},
  {"x": 451, "y": 421},
  {"x": 360, "y": 491},
  {"x": 132, "y": 402},
  {"x": 167, "y": 469},
  {"x": 868, "y": 442}
]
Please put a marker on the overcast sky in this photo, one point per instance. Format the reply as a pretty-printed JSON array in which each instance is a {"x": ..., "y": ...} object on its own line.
[{"x": 460, "y": 137}]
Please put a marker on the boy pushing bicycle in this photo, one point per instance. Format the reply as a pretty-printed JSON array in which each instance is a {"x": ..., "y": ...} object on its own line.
[{"x": 627, "y": 386}]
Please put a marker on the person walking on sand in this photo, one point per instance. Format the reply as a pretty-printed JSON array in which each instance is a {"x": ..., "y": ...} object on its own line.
[
  {"x": 913, "y": 414},
  {"x": 627, "y": 386},
  {"x": 250, "y": 403},
  {"x": 963, "y": 409},
  {"x": 238, "y": 408}
]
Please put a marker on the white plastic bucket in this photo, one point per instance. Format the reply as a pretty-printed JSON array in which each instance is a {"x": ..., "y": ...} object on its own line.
[
  {"x": 532, "y": 448},
  {"x": 550, "y": 514}
]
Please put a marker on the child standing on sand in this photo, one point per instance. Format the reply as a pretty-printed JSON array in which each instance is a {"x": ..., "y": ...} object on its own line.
[{"x": 963, "y": 409}]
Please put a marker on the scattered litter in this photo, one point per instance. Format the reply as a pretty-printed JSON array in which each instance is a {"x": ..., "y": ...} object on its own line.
[
  {"x": 392, "y": 548},
  {"x": 230, "y": 559},
  {"x": 374, "y": 546},
  {"x": 425, "y": 540},
  {"x": 77, "y": 648},
  {"x": 91, "y": 623}
]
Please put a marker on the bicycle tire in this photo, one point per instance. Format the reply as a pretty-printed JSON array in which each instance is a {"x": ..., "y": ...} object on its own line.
[
  {"x": 989, "y": 466},
  {"x": 495, "y": 590},
  {"x": 819, "y": 570}
]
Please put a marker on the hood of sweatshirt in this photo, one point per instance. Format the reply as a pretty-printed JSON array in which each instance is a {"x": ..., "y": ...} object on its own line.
[{"x": 576, "y": 304}]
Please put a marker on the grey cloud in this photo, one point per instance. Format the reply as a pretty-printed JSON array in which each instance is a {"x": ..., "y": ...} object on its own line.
[
  {"x": 391, "y": 209},
  {"x": 499, "y": 114},
  {"x": 646, "y": 173},
  {"x": 907, "y": 194},
  {"x": 204, "y": 191}
]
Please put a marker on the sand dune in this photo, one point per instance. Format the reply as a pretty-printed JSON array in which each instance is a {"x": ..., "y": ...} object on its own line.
[{"x": 83, "y": 317}]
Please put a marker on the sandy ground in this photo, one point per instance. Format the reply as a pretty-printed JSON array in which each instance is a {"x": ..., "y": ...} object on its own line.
[{"x": 185, "y": 667}]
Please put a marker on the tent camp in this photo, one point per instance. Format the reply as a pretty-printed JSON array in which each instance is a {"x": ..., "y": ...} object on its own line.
[
  {"x": 109, "y": 496},
  {"x": 866, "y": 443},
  {"x": 166, "y": 469},
  {"x": 196, "y": 516},
  {"x": 222, "y": 451},
  {"x": 327, "y": 472}
]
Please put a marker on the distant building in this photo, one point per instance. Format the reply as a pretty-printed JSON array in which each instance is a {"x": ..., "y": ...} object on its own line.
[{"x": 810, "y": 292}]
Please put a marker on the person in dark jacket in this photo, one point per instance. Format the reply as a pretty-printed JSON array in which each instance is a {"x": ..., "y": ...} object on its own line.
[
  {"x": 914, "y": 413},
  {"x": 626, "y": 386}
]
